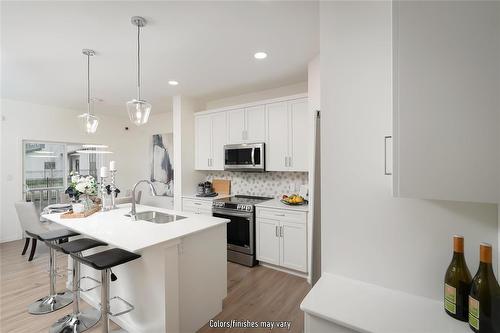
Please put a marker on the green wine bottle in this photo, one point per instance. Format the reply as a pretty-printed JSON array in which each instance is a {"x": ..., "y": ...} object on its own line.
[
  {"x": 484, "y": 312},
  {"x": 457, "y": 282}
]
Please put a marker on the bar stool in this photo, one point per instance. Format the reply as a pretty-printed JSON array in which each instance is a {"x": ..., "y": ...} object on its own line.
[
  {"x": 77, "y": 321},
  {"x": 54, "y": 301},
  {"x": 104, "y": 261}
]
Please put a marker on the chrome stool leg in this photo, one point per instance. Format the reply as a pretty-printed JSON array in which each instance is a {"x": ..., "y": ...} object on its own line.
[
  {"x": 78, "y": 321},
  {"x": 105, "y": 300},
  {"x": 54, "y": 301}
]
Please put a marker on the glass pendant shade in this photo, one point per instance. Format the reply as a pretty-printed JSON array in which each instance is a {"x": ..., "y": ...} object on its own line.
[
  {"x": 89, "y": 123},
  {"x": 138, "y": 111}
]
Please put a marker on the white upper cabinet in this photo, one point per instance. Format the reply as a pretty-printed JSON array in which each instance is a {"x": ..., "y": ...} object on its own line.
[
  {"x": 446, "y": 100},
  {"x": 300, "y": 124},
  {"x": 203, "y": 149},
  {"x": 288, "y": 129},
  {"x": 277, "y": 137},
  {"x": 236, "y": 128},
  {"x": 219, "y": 139},
  {"x": 210, "y": 138},
  {"x": 247, "y": 125},
  {"x": 282, "y": 124},
  {"x": 255, "y": 124}
]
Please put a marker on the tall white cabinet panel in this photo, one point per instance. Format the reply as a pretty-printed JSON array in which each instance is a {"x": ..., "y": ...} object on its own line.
[
  {"x": 446, "y": 100},
  {"x": 236, "y": 130},
  {"x": 288, "y": 127},
  {"x": 277, "y": 137},
  {"x": 299, "y": 130},
  {"x": 267, "y": 241},
  {"x": 293, "y": 243},
  {"x": 255, "y": 124},
  {"x": 210, "y": 138},
  {"x": 219, "y": 137},
  {"x": 203, "y": 149}
]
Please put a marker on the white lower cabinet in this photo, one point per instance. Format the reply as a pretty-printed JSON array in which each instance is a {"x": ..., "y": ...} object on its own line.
[
  {"x": 282, "y": 238},
  {"x": 203, "y": 207}
]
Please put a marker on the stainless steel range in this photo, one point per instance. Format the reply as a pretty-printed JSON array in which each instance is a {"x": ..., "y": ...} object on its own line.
[{"x": 240, "y": 209}]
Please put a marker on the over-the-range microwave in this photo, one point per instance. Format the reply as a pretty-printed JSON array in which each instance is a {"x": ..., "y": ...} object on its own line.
[{"x": 245, "y": 157}]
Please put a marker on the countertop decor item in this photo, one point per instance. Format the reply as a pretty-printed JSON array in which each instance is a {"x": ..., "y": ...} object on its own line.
[
  {"x": 79, "y": 215},
  {"x": 293, "y": 200},
  {"x": 90, "y": 121},
  {"x": 138, "y": 109},
  {"x": 81, "y": 188},
  {"x": 222, "y": 186},
  {"x": 457, "y": 282}
]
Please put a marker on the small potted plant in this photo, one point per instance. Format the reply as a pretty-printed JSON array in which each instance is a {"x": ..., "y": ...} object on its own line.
[{"x": 80, "y": 189}]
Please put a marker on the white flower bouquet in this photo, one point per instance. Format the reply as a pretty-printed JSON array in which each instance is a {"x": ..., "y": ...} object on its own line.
[{"x": 82, "y": 186}]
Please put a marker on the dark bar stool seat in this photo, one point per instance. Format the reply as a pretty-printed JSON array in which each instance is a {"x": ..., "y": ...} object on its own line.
[
  {"x": 54, "y": 301},
  {"x": 77, "y": 321},
  {"x": 104, "y": 261}
]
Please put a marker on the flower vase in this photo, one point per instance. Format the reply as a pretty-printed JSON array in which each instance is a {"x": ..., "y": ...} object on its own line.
[{"x": 87, "y": 203}]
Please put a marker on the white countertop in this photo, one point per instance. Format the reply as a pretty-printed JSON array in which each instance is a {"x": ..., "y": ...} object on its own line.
[
  {"x": 193, "y": 196},
  {"x": 276, "y": 203},
  {"x": 116, "y": 229},
  {"x": 368, "y": 308}
]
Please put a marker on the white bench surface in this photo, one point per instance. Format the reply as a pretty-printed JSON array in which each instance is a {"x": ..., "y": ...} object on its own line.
[{"x": 369, "y": 308}]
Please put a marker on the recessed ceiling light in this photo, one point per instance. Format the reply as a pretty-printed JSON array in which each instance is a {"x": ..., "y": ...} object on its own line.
[
  {"x": 260, "y": 55},
  {"x": 173, "y": 82}
]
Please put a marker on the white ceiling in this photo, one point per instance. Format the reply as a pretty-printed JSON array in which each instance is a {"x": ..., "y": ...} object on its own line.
[{"x": 207, "y": 46}]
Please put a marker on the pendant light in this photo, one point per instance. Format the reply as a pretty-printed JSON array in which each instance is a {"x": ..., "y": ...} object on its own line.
[
  {"x": 89, "y": 121},
  {"x": 138, "y": 109}
]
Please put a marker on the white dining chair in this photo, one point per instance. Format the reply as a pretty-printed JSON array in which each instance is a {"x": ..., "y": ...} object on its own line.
[{"x": 30, "y": 221}]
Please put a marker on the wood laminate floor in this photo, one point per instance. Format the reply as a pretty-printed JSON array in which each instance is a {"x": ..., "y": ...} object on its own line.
[{"x": 254, "y": 294}]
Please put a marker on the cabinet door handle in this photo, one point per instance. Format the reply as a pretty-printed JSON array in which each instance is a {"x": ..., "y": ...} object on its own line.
[
  {"x": 386, "y": 173},
  {"x": 281, "y": 231},
  {"x": 289, "y": 161},
  {"x": 276, "y": 231},
  {"x": 279, "y": 214},
  {"x": 197, "y": 203},
  {"x": 286, "y": 161}
]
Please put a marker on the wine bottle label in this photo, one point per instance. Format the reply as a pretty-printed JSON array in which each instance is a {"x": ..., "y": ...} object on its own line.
[
  {"x": 450, "y": 298},
  {"x": 474, "y": 312}
]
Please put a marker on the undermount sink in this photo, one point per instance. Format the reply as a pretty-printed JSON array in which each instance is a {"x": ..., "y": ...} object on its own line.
[{"x": 157, "y": 217}]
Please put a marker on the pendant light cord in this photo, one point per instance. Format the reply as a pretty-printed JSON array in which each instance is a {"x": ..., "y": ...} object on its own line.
[
  {"x": 138, "y": 62},
  {"x": 88, "y": 84}
]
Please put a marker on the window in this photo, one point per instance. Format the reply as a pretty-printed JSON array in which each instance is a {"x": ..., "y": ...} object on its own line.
[{"x": 47, "y": 166}]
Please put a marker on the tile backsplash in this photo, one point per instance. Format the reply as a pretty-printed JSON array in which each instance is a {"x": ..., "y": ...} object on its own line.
[{"x": 270, "y": 184}]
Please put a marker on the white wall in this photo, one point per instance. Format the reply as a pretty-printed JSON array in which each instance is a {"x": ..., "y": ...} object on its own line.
[
  {"x": 367, "y": 234},
  {"x": 138, "y": 154},
  {"x": 186, "y": 177},
  {"x": 27, "y": 121},
  {"x": 292, "y": 89}
]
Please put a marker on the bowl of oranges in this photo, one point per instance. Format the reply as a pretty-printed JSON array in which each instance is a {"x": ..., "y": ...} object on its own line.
[{"x": 293, "y": 200}]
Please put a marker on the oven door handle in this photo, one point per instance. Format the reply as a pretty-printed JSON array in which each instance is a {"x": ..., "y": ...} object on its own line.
[
  {"x": 253, "y": 156},
  {"x": 228, "y": 212}
]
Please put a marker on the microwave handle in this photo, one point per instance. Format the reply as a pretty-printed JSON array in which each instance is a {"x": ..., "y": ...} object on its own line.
[{"x": 253, "y": 156}]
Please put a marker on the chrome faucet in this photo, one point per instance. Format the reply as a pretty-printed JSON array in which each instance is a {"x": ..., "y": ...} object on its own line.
[{"x": 153, "y": 192}]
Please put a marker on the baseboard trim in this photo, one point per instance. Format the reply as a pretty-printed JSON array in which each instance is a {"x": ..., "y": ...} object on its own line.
[
  {"x": 11, "y": 239},
  {"x": 285, "y": 270}
]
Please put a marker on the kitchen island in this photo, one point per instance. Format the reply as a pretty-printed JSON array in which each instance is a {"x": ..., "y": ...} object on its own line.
[{"x": 180, "y": 280}]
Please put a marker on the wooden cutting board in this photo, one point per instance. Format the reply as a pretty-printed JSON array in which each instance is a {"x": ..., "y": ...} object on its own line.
[
  {"x": 221, "y": 186},
  {"x": 72, "y": 215}
]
